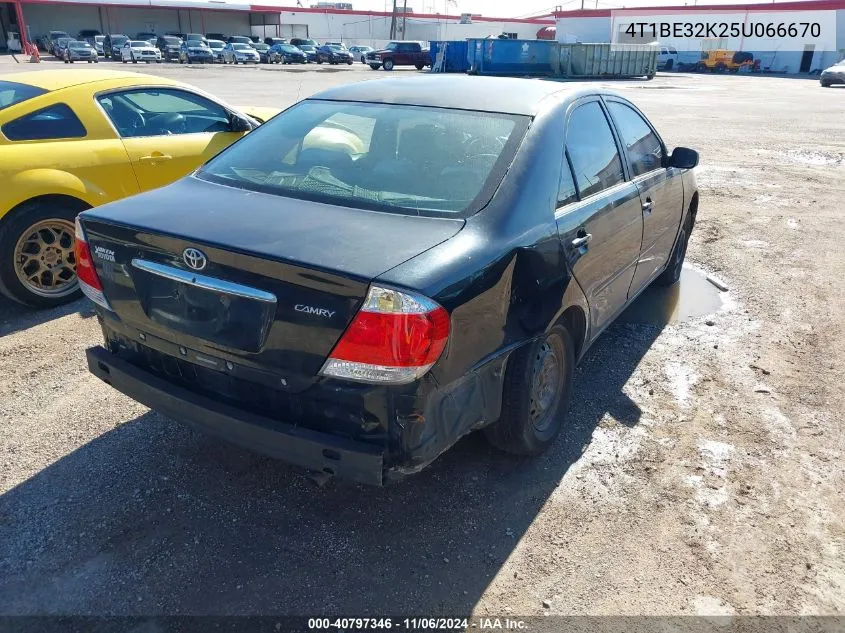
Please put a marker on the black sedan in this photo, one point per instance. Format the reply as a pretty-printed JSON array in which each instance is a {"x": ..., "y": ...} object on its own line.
[
  {"x": 379, "y": 270},
  {"x": 333, "y": 55},
  {"x": 287, "y": 54}
]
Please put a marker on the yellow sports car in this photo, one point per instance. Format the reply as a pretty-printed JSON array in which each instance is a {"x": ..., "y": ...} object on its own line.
[{"x": 75, "y": 139}]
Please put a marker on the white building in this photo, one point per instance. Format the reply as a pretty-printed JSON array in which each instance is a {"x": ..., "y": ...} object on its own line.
[{"x": 809, "y": 49}]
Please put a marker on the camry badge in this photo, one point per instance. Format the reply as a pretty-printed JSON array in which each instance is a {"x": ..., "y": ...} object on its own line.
[{"x": 194, "y": 258}]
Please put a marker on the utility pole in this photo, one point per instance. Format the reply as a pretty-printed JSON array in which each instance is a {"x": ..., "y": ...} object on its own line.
[
  {"x": 404, "y": 20},
  {"x": 393, "y": 21}
]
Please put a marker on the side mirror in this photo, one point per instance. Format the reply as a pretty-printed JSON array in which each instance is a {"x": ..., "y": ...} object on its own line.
[
  {"x": 238, "y": 123},
  {"x": 683, "y": 158}
]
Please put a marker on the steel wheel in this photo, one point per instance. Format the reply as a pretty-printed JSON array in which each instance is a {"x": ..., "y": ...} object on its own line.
[
  {"x": 545, "y": 388},
  {"x": 45, "y": 263}
]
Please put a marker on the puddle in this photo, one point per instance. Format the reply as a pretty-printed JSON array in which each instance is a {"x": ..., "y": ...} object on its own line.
[{"x": 693, "y": 296}]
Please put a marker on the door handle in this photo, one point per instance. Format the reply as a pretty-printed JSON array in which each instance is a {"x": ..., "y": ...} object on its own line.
[
  {"x": 583, "y": 240},
  {"x": 647, "y": 206},
  {"x": 155, "y": 157}
]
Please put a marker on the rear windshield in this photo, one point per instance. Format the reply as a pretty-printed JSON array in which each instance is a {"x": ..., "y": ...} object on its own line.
[
  {"x": 407, "y": 159},
  {"x": 172, "y": 40},
  {"x": 140, "y": 44},
  {"x": 79, "y": 45},
  {"x": 12, "y": 92},
  {"x": 118, "y": 39},
  {"x": 260, "y": 47},
  {"x": 242, "y": 47}
]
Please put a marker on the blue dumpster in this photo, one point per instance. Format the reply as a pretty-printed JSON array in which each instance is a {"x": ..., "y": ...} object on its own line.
[
  {"x": 449, "y": 57},
  {"x": 512, "y": 57}
]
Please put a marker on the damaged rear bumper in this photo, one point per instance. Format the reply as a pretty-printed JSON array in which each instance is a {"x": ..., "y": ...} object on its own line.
[{"x": 302, "y": 447}]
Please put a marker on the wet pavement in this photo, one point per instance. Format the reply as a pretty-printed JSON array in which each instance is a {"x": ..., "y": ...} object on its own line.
[{"x": 692, "y": 297}]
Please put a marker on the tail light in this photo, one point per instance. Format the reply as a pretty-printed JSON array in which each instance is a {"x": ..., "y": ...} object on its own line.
[
  {"x": 89, "y": 282},
  {"x": 394, "y": 338}
]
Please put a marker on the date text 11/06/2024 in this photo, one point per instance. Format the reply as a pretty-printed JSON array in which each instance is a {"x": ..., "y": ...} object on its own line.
[{"x": 416, "y": 624}]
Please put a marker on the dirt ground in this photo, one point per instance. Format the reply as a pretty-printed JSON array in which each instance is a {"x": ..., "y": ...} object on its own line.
[{"x": 702, "y": 472}]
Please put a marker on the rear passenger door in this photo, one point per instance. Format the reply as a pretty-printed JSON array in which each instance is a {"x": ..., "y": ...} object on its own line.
[
  {"x": 661, "y": 189},
  {"x": 599, "y": 215}
]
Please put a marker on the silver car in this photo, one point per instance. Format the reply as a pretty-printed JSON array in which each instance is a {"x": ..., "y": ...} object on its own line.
[{"x": 833, "y": 75}]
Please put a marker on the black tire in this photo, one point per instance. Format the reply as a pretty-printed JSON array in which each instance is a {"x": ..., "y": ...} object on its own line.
[
  {"x": 419, "y": 66},
  {"x": 672, "y": 274},
  {"x": 12, "y": 229},
  {"x": 669, "y": 64},
  {"x": 388, "y": 65},
  {"x": 519, "y": 430},
  {"x": 374, "y": 66},
  {"x": 124, "y": 61},
  {"x": 349, "y": 63},
  {"x": 720, "y": 67},
  {"x": 825, "y": 84}
]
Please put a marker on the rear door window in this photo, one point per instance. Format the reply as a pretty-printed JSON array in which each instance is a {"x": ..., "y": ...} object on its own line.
[
  {"x": 645, "y": 151},
  {"x": 57, "y": 121},
  {"x": 592, "y": 150}
]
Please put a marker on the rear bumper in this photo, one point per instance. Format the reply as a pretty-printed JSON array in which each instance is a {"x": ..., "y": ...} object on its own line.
[{"x": 302, "y": 447}]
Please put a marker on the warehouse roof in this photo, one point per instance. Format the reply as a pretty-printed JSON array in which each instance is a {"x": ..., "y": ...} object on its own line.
[{"x": 799, "y": 5}]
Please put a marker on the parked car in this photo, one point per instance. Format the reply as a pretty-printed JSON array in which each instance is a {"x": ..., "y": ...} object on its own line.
[
  {"x": 113, "y": 45},
  {"x": 457, "y": 299},
  {"x": 54, "y": 36},
  {"x": 147, "y": 36},
  {"x": 196, "y": 36},
  {"x": 310, "y": 51},
  {"x": 287, "y": 54},
  {"x": 216, "y": 36},
  {"x": 238, "y": 39},
  {"x": 272, "y": 41},
  {"x": 80, "y": 51},
  {"x": 263, "y": 52},
  {"x": 667, "y": 58},
  {"x": 193, "y": 51},
  {"x": 399, "y": 54},
  {"x": 217, "y": 47},
  {"x": 833, "y": 75},
  {"x": 298, "y": 41},
  {"x": 360, "y": 52},
  {"x": 87, "y": 34},
  {"x": 169, "y": 45},
  {"x": 255, "y": 39},
  {"x": 238, "y": 52},
  {"x": 139, "y": 51},
  {"x": 333, "y": 55},
  {"x": 340, "y": 45},
  {"x": 98, "y": 43},
  {"x": 80, "y": 138},
  {"x": 181, "y": 36},
  {"x": 60, "y": 47}
]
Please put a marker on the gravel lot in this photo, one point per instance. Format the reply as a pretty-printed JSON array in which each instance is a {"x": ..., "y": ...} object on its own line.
[{"x": 703, "y": 472}]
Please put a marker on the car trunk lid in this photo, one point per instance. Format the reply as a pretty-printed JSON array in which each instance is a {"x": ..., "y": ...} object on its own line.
[{"x": 281, "y": 281}]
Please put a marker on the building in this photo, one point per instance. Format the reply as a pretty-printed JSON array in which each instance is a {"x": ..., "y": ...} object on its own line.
[
  {"x": 804, "y": 51},
  {"x": 267, "y": 19}
]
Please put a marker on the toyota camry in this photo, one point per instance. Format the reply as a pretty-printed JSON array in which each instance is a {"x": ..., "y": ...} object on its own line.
[{"x": 388, "y": 266}]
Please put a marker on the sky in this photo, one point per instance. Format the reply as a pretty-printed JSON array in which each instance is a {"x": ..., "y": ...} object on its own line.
[{"x": 518, "y": 8}]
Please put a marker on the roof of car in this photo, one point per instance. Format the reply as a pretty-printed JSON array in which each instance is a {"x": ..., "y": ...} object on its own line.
[
  {"x": 488, "y": 94},
  {"x": 66, "y": 78}
]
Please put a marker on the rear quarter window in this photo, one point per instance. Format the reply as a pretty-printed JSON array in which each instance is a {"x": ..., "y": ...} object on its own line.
[{"x": 57, "y": 121}]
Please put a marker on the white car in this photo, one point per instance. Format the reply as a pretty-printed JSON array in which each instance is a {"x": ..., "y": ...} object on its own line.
[
  {"x": 667, "y": 58},
  {"x": 833, "y": 75},
  {"x": 239, "y": 53},
  {"x": 139, "y": 51}
]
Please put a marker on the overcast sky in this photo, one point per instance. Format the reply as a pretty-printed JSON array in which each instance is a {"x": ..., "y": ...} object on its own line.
[{"x": 516, "y": 8}]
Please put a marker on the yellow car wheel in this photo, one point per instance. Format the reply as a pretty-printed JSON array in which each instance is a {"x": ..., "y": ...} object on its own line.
[{"x": 39, "y": 266}]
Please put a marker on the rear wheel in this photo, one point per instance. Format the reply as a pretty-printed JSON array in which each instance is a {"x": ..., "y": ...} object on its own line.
[
  {"x": 419, "y": 66},
  {"x": 672, "y": 274},
  {"x": 38, "y": 266},
  {"x": 535, "y": 395}
]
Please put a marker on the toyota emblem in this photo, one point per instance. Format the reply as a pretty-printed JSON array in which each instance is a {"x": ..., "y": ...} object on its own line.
[{"x": 194, "y": 258}]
